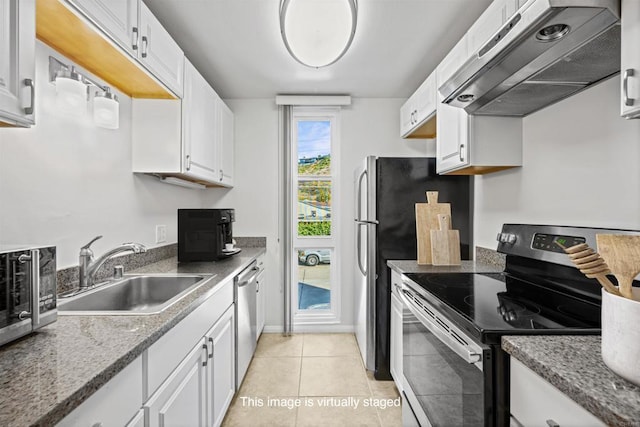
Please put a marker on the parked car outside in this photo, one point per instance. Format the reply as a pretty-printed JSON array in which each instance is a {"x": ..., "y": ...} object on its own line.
[{"x": 313, "y": 257}]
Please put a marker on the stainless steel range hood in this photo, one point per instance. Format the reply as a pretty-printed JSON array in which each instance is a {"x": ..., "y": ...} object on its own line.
[{"x": 549, "y": 50}]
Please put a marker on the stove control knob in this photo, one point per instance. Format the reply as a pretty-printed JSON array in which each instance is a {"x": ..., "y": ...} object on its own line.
[
  {"x": 511, "y": 316},
  {"x": 506, "y": 238}
]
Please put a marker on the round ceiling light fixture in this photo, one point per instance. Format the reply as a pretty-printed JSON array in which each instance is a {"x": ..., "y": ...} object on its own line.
[{"x": 318, "y": 32}]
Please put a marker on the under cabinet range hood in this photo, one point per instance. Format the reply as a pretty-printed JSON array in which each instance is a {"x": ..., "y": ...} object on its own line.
[{"x": 548, "y": 50}]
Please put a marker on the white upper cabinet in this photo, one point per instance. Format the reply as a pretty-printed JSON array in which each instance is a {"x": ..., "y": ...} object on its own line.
[
  {"x": 226, "y": 136},
  {"x": 453, "y": 61},
  {"x": 17, "y": 62},
  {"x": 117, "y": 18},
  {"x": 630, "y": 67},
  {"x": 189, "y": 138},
  {"x": 200, "y": 126},
  {"x": 159, "y": 52},
  {"x": 417, "y": 114},
  {"x": 488, "y": 23},
  {"x": 131, "y": 25},
  {"x": 474, "y": 145}
]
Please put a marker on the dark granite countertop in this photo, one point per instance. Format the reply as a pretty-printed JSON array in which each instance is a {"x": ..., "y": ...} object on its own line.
[
  {"x": 466, "y": 267},
  {"x": 573, "y": 364},
  {"x": 44, "y": 376}
]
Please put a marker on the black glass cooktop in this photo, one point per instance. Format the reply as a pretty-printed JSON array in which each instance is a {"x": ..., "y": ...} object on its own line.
[{"x": 501, "y": 303}]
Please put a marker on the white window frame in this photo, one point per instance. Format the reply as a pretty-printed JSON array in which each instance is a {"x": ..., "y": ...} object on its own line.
[{"x": 331, "y": 315}]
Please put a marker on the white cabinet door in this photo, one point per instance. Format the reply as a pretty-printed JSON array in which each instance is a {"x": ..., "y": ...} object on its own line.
[
  {"x": 221, "y": 372},
  {"x": 225, "y": 143},
  {"x": 630, "y": 67},
  {"x": 17, "y": 62},
  {"x": 261, "y": 297},
  {"x": 425, "y": 99},
  {"x": 487, "y": 24},
  {"x": 180, "y": 401},
  {"x": 114, "y": 404},
  {"x": 396, "y": 332},
  {"x": 452, "y": 149},
  {"x": 406, "y": 117},
  {"x": 454, "y": 60},
  {"x": 159, "y": 52},
  {"x": 535, "y": 402},
  {"x": 199, "y": 127},
  {"x": 117, "y": 18}
]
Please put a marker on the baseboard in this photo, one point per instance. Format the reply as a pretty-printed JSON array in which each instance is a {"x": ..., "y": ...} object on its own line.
[{"x": 318, "y": 329}]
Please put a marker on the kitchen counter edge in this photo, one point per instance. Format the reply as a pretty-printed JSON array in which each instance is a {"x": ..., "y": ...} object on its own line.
[
  {"x": 70, "y": 389},
  {"x": 411, "y": 266},
  {"x": 573, "y": 364}
]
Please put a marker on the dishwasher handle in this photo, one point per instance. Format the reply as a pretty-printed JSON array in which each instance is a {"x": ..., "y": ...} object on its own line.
[{"x": 249, "y": 275}]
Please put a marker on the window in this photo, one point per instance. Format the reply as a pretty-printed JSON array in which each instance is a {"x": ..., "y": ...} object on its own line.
[{"x": 314, "y": 228}]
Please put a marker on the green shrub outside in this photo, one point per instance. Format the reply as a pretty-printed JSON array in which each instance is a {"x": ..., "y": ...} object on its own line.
[{"x": 314, "y": 228}]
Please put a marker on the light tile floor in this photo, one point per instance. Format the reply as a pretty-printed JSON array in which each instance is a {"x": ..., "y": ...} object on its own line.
[{"x": 312, "y": 380}]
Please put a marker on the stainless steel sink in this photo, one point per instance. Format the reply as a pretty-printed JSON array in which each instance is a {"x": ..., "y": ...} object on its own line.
[{"x": 143, "y": 294}]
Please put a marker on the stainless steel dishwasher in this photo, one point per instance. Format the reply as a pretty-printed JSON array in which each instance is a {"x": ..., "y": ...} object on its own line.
[{"x": 246, "y": 319}]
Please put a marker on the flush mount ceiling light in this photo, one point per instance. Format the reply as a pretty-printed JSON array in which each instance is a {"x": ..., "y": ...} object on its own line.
[{"x": 318, "y": 32}]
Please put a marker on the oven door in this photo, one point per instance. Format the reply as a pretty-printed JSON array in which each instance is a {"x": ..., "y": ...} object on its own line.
[{"x": 447, "y": 375}]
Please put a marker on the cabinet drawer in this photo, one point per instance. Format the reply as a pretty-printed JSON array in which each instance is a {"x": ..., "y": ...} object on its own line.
[
  {"x": 114, "y": 404},
  {"x": 165, "y": 354},
  {"x": 534, "y": 401}
]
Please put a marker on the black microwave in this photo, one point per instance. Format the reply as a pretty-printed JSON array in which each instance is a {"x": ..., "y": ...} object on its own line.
[{"x": 205, "y": 234}]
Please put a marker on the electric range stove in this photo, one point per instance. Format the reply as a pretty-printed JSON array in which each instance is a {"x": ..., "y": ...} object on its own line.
[{"x": 452, "y": 322}]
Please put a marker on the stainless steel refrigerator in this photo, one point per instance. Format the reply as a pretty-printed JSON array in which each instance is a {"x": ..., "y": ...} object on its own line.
[{"x": 387, "y": 190}]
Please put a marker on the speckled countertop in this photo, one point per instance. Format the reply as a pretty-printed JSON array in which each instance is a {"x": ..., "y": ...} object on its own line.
[
  {"x": 573, "y": 364},
  {"x": 44, "y": 376}
]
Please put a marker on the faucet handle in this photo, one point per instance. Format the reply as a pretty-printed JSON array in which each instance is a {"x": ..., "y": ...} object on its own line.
[{"x": 91, "y": 242}]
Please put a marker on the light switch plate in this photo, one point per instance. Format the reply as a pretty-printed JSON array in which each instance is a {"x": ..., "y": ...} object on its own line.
[{"x": 161, "y": 233}]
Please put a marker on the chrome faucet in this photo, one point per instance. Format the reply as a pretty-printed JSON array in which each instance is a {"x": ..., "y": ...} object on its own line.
[{"x": 88, "y": 267}]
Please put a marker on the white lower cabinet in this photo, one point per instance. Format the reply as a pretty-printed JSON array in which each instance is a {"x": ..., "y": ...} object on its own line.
[
  {"x": 535, "y": 402},
  {"x": 221, "y": 372},
  {"x": 117, "y": 403},
  {"x": 199, "y": 391},
  {"x": 261, "y": 297},
  {"x": 181, "y": 399},
  {"x": 396, "y": 341}
]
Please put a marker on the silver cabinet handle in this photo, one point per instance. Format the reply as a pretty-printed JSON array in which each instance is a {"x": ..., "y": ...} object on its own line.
[
  {"x": 188, "y": 162},
  {"x": 206, "y": 354},
  {"x": 629, "y": 72},
  {"x": 211, "y": 354},
  {"x": 31, "y": 108},
  {"x": 552, "y": 423},
  {"x": 145, "y": 46},
  {"x": 134, "y": 38},
  {"x": 460, "y": 152}
]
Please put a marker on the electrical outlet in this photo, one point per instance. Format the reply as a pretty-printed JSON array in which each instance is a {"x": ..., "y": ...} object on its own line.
[{"x": 161, "y": 233}]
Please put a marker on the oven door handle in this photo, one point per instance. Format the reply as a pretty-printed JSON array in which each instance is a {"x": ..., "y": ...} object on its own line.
[{"x": 470, "y": 355}]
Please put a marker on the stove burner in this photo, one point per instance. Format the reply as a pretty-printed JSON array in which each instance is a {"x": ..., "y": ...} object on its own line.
[
  {"x": 513, "y": 311},
  {"x": 450, "y": 280}
]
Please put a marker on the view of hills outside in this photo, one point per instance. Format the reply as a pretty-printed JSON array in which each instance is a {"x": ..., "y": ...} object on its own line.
[{"x": 314, "y": 178}]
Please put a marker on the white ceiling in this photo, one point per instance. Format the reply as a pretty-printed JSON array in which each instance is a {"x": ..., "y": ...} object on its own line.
[{"x": 236, "y": 45}]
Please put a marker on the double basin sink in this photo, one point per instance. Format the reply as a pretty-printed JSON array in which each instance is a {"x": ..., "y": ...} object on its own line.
[{"x": 133, "y": 294}]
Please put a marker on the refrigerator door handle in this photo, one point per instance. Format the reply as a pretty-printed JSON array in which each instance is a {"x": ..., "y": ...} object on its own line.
[
  {"x": 359, "y": 245},
  {"x": 365, "y": 222},
  {"x": 359, "y": 199}
]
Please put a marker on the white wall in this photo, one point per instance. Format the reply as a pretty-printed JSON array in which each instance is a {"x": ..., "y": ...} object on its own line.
[
  {"x": 368, "y": 126},
  {"x": 64, "y": 181},
  {"x": 581, "y": 167}
]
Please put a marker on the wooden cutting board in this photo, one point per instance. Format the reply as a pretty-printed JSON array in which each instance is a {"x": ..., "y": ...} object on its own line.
[
  {"x": 445, "y": 243},
  {"x": 622, "y": 255},
  {"x": 427, "y": 220}
]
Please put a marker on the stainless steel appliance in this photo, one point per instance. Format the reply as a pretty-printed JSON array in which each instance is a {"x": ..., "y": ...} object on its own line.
[
  {"x": 454, "y": 371},
  {"x": 203, "y": 234},
  {"x": 246, "y": 318},
  {"x": 27, "y": 290},
  {"x": 548, "y": 50},
  {"x": 387, "y": 190}
]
